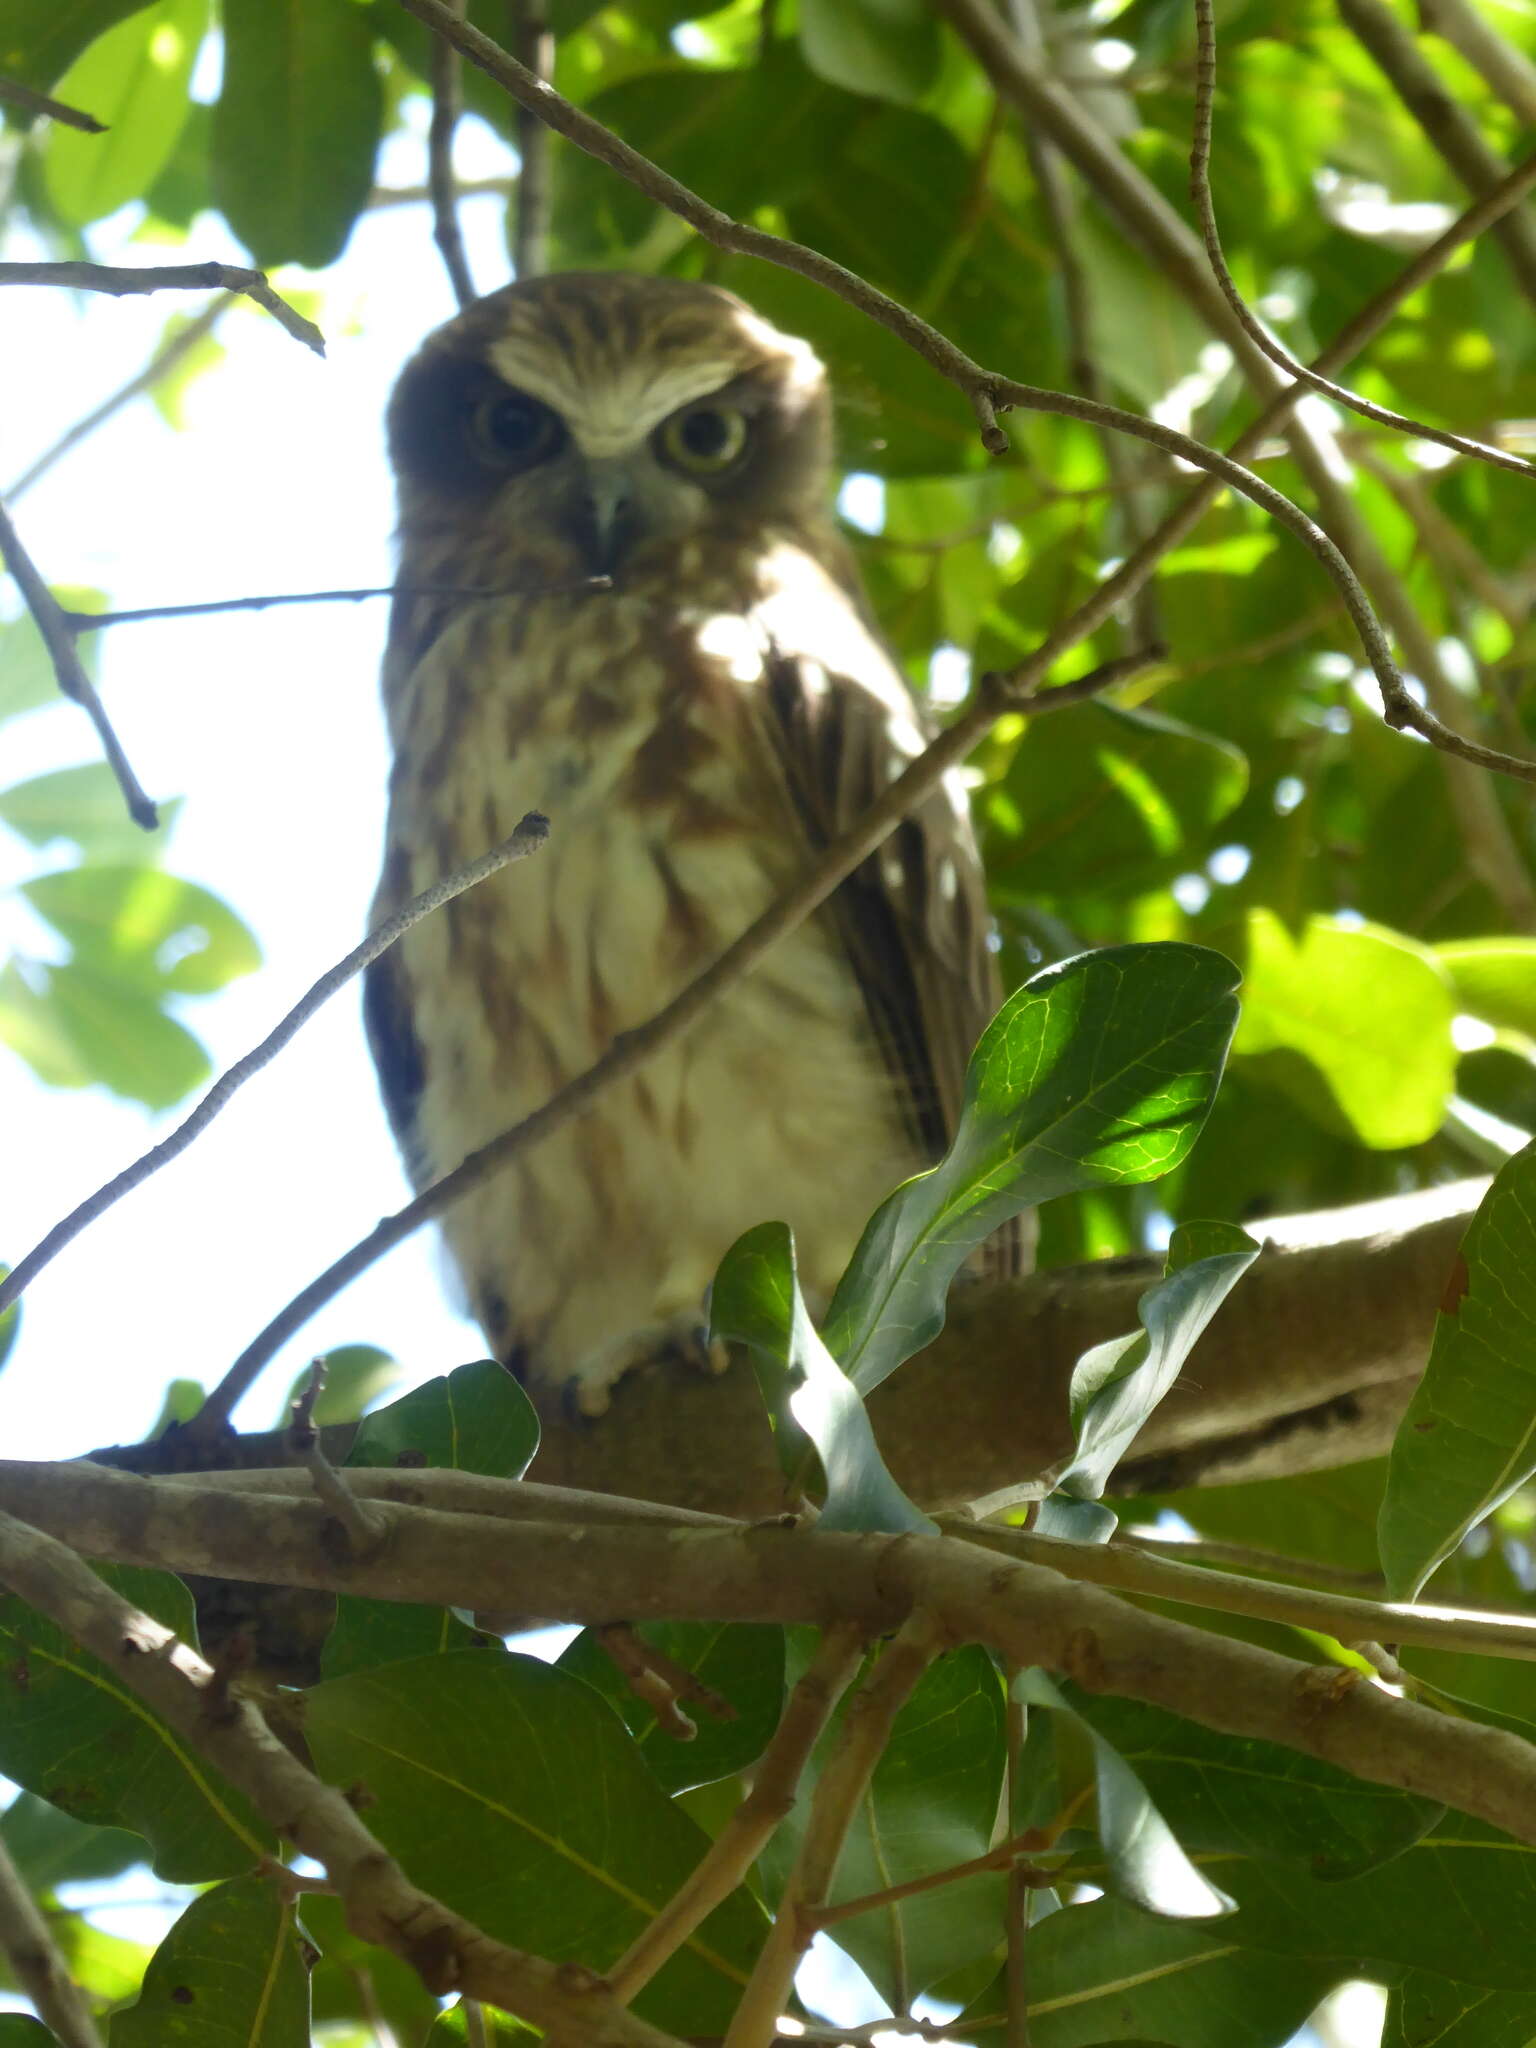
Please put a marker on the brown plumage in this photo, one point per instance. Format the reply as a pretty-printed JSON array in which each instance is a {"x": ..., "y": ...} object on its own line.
[{"x": 694, "y": 734}]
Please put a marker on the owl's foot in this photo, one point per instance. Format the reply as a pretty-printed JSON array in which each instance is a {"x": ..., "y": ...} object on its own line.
[{"x": 681, "y": 1339}]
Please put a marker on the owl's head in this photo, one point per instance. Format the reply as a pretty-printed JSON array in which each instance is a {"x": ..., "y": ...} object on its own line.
[{"x": 592, "y": 418}]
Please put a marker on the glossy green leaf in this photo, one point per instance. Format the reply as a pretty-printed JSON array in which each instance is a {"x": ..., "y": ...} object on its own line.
[
  {"x": 473, "y": 1419},
  {"x": 741, "y": 1664},
  {"x": 931, "y": 1803},
  {"x": 888, "y": 48},
  {"x": 1116, "y": 1386},
  {"x": 1434, "y": 2012},
  {"x": 756, "y": 1300},
  {"x": 145, "y": 926},
  {"x": 1469, "y": 1436},
  {"x": 1097, "y": 1073},
  {"x": 72, "y": 1732},
  {"x": 38, "y": 43},
  {"x": 1323, "y": 997},
  {"x": 1147, "y": 1865},
  {"x": 1106, "y": 1972},
  {"x": 134, "y": 78},
  {"x": 83, "y": 804},
  {"x": 515, "y": 1795},
  {"x": 1228, "y": 1794},
  {"x": 296, "y": 126},
  {"x": 230, "y": 1974}
]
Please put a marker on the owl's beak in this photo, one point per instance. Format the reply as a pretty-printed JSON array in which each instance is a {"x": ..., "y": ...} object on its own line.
[{"x": 607, "y": 521}]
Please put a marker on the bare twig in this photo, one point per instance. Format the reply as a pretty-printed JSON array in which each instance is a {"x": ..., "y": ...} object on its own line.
[
  {"x": 1506, "y": 70},
  {"x": 1016, "y": 1921},
  {"x": 27, "y": 101},
  {"x": 448, "y": 1952},
  {"x": 866, "y": 1728},
  {"x": 70, "y": 670},
  {"x": 1258, "y": 333},
  {"x": 528, "y": 838},
  {"x": 164, "y": 360},
  {"x": 447, "y": 105},
  {"x": 158, "y": 277},
  {"x": 36, "y": 1964},
  {"x": 1448, "y": 128},
  {"x": 535, "y": 48},
  {"x": 1006, "y": 1856},
  {"x": 93, "y": 622},
  {"x": 384, "y": 196},
  {"x": 1202, "y": 1550},
  {"x": 633, "y": 1048},
  {"x": 362, "y": 1524},
  {"x": 659, "y": 1681},
  {"x": 733, "y": 1852}
]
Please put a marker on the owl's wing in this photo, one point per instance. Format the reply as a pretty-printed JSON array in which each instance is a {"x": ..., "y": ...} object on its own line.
[{"x": 912, "y": 919}]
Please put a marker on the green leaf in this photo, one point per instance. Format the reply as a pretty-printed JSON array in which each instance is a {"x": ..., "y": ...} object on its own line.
[
  {"x": 296, "y": 126},
  {"x": 1097, "y": 1073},
  {"x": 1099, "y": 1972},
  {"x": 1327, "y": 997},
  {"x": 1469, "y": 1436},
  {"x": 1117, "y": 796},
  {"x": 1233, "y": 1795},
  {"x": 83, "y": 804},
  {"x": 27, "y": 680},
  {"x": 887, "y": 48},
  {"x": 756, "y": 1300},
  {"x": 1147, "y": 1865},
  {"x": 1117, "y": 1384},
  {"x": 135, "y": 79},
  {"x": 104, "y": 1030},
  {"x": 49, "y": 1848},
  {"x": 355, "y": 1376},
  {"x": 931, "y": 1803},
  {"x": 38, "y": 43},
  {"x": 1494, "y": 979},
  {"x": 72, "y": 1732},
  {"x": 1432, "y": 2012},
  {"x": 515, "y": 1795},
  {"x": 741, "y": 1662},
  {"x": 473, "y": 1419},
  {"x": 145, "y": 926},
  {"x": 231, "y": 1970},
  {"x": 20, "y": 2030}
]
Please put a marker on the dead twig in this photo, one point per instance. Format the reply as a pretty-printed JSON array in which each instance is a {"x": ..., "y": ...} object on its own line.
[
  {"x": 529, "y": 836},
  {"x": 447, "y": 105},
  {"x": 28, "y": 101},
  {"x": 95, "y": 622},
  {"x": 69, "y": 670},
  {"x": 119, "y": 282},
  {"x": 363, "y": 1524}
]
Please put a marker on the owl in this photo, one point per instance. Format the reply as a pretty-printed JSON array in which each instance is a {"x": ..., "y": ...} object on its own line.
[{"x": 696, "y": 728}]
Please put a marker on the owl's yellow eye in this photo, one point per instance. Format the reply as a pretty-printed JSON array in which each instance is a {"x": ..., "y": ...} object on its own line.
[
  {"x": 705, "y": 440},
  {"x": 515, "y": 431}
]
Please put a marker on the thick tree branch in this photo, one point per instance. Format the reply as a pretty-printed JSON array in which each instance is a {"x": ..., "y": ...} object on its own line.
[
  {"x": 769, "y": 1572},
  {"x": 448, "y": 1952}
]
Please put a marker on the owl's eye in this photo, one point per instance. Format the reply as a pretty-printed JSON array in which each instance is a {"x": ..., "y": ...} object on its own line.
[
  {"x": 704, "y": 440},
  {"x": 515, "y": 431}
]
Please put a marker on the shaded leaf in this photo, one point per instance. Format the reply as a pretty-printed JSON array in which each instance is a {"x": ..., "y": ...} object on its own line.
[
  {"x": 50, "y": 1848},
  {"x": 1433, "y": 2012},
  {"x": 755, "y": 1300},
  {"x": 1096, "y": 1073},
  {"x": 1469, "y": 1436},
  {"x": 889, "y": 48},
  {"x": 231, "y": 1970},
  {"x": 515, "y": 1795},
  {"x": 473, "y": 1419},
  {"x": 37, "y": 44}
]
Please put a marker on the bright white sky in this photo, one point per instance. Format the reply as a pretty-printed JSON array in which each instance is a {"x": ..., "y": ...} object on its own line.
[{"x": 266, "y": 725}]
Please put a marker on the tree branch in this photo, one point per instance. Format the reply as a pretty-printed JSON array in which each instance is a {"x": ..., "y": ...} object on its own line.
[
  {"x": 94, "y": 622},
  {"x": 529, "y": 836},
  {"x": 37, "y": 1965},
  {"x": 448, "y": 1952},
  {"x": 535, "y": 48},
  {"x": 159, "y": 277},
  {"x": 447, "y": 105},
  {"x": 69, "y": 670},
  {"x": 1505, "y": 70}
]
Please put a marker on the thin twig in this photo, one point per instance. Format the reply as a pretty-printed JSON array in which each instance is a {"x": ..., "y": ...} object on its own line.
[
  {"x": 37, "y": 1965},
  {"x": 633, "y": 1048},
  {"x": 659, "y": 1681},
  {"x": 986, "y": 390},
  {"x": 1017, "y": 1907},
  {"x": 535, "y": 48},
  {"x": 1201, "y": 1550},
  {"x": 529, "y": 836},
  {"x": 1258, "y": 333},
  {"x": 447, "y": 105},
  {"x": 844, "y": 1779},
  {"x": 385, "y": 196},
  {"x": 740, "y": 1842},
  {"x": 158, "y": 277},
  {"x": 69, "y": 670},
  {"x": 93, "y": 622},
  {"x": 164, "y": 360},
  {"x": 1006, "y": 1856},
  {"x": 362, "y": 1523},
  {"x": 381, "y": 1904},
  {"x": 27, "y": 101}
]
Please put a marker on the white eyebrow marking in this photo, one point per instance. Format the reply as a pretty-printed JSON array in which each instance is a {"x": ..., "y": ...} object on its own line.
[{"x": 614, "y": 415}]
